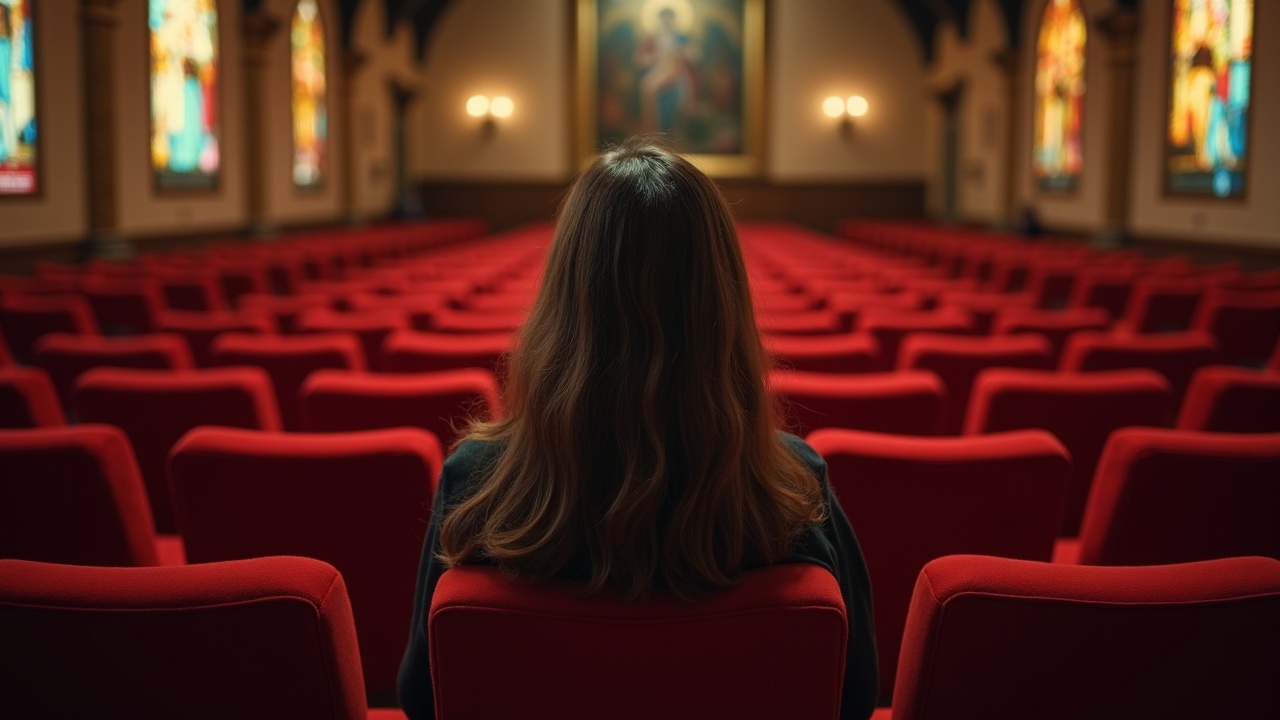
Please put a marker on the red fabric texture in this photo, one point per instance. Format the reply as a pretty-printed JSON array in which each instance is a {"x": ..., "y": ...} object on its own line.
[
  {"x": 202, "y": 328},
  {"x": 417, "y": 306},
  {"x": 1106, "y": 288},
  {"x": 191, "y": 289},
  {"x": 1081, "y": 409},
  {"x": 1246, "y": 324},
  {"x": 957, "y": 360},
  {"x": 915, "y": 499},
  {"x": 984, "y": 306},
  {"x": 289, "y": 359},
  {"x": 1165, "y": 496},
  {"x": 25, "y": 318},
  {"x": 806, "y": 322},
  {"x": 1231, "y": 399},
  {"x": 850, "y": 305},
  {"x": 155, "y": 408},
  {"x": 1056, "y": 325},
  {"x": 285, "y": 309},
  {"x": 838, "y": 353},
  {"x": 360, "y": 501},
  {"x": 774, "y": 647},
  {"x": 27, "y": 399},
  {"x": 890, "y": 326},
  {"x": 1175, "y": 355},
  {"x": 1006, "y": 639},
  {"x": 124, "y": 306},
  {"x": 6, "y": 357},
  {"x": 371, "y": 326},
  {"x": 1163, "y": 304},
  {"x": 66, "y": 356},
  {"x": 73, "y": 495},
  {"x": 411, "y": 352},
  {"x": 267, "y": 638},
  {"x": 465, "y": 322},
  {"x": 907, "y": 402}
]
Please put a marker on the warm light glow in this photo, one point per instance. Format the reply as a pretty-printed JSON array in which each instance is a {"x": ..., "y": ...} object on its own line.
[
  {"x": 833, "y": 107},
  {"x": 502, "y": 107},
  {"x": 857, "y": 106},
  {"x": 478, "y": 106}
]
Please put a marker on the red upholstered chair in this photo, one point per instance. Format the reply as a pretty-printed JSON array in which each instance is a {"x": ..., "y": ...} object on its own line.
[
  {"x": 358, "y": 500},
  {"x": 958, "y": 360},
  {"x": 289, "y": 359},
  {"x": 1081, "y": 409},
  {"x": 442, "y": 403},
  {"x": 984, "y": 306},
  {"x": 1056, "y": 325},
  {"x": 915, "y": 499},
  {"x": 65, "y": 356},
  {"x": 1179, "y": 642},
  {"x": 905, "y": 402},
  {"x": 6, "y": 357},
  {"x": 1232, "y": 399},
  {"x": 371, "y": 326},
  {"x": 839, "y": 353},
  {"x": 1175, "y": 355},
  {"x": 28, "y": 400},
  {"x": 851, "y": 305},
  {"x": 1167, "y": 496},
  {"x": 465, "y": 322},
  {"x": 284, "y": 308},
  {"x": 155, "y": 408},
  {"x": 124, "y": 306},
  {"x": 1106, "y": 288},
  {"x": 418, "y": 306},
  {"x": 25, "y": 318},
  {"x": 408, "y": 352},
  {"x": 74, "y": 495},
  {"x": 262, "y": 638},
  {"x": 773, "y": 647},
  {"x": 202, "y": 328},
  {"x": 808, "y": 322},
  {"x": 1163, "y": 304},
  {"x": 191, "y": 289},
  {"x": 1246, "y": 324},
  {"x": 890, "y": 326}
]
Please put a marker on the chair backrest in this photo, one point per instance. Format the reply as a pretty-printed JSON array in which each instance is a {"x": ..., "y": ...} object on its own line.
[
  {"x": 772, "y": 647},
  {"x": 25, "y": 318},
  {"x": 285, "y": 309},
  {"x": 6, "y": 357},
  {"x": 1163, "y": 304},
  {"x": 371, "y": 326},
  {"x": 156, "y": 407},
  {"x": 1081, "y": 409},
  {"x": 1165, "y": 496},
  {"x": 958, "y": 359},
  {"x": 411, "y": 352},
  {"x": 1246, "y": 324},
  {"x": 839, "y": 353},
  {"x": 124, "y": 305},
  {"x": 803, "y": 323},
  {"x": 202, "y": 328},
  {"x": 1056, "y": 325},
  {"x": 360, "y": 501},
  {"x": 73, "y": 495},
  {"x": 1175, "y": 355},
  {"x": 28, "y": 399},
  {"x": 890, "y": 326},
  {"x": 464, "y": 322},
  {"x": 907, "y": 402},
  {"x": 1007, "y": 640},
  {"x": 289, "y": 359},
  {"x": 915, "y": 499},
  {"x": 1232, "y": 399},
  {"x": 221, "y": 641},
  {"x": 66, "y": 356}
]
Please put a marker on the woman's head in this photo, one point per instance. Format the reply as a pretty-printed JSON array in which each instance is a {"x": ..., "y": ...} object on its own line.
[{"x": 640, "y": 439}]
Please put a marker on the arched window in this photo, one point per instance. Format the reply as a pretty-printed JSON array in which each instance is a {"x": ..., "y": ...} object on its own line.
[
  {"x": 1058, "y": 153},
  {"x": 185, "y": 152},
  {"x": 310, "y": 113},
  {"x": 18, "y": 167}
]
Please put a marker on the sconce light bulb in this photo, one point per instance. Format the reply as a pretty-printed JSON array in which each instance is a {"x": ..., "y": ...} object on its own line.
[
  {"x": 477, "y": 105},
  {"x": 833, "y": 107},
  {"x": 502, "y": 106},
  {"x": 857, "y": 106}
]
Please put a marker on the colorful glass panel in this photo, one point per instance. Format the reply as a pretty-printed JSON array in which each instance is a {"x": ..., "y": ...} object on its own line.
[
  {"x": 1058, "y": 154},
  {"x": 18, "y": 169},
  {"x": 310, "y": 116},
  {"x": 185, "y": 150}
]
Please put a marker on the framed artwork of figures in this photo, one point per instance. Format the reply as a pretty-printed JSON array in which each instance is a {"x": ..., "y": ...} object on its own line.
[
  {"x": 185, "y": 152},
  {"x": 1058, "y": 155},
  {"x": 691, "y": 71},
  {"x": 19, "y": 167},
  {"x": 1206, "y": 148},
  {"x": 309, "y": 102}
]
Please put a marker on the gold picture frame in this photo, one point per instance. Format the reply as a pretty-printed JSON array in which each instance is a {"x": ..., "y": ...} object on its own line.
[{"x": 724, "y": 133}]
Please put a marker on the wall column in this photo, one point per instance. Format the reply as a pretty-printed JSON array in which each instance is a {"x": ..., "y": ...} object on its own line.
[
  {"x": 352, "y": 62},
  {"x": 260, "y": 28},
  {"x": 98, "y": 32},
  {"x": 408, "y": 206},
  {"x": 949, "y": 100},
  {"x": 1120, "y": 29},
  {"x": 1007, "y": 61}
]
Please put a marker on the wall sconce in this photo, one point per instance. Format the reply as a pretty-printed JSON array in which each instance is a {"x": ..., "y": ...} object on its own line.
[
  {"x": 491, "y": 110},
  {"x": 845, "y": 109}
]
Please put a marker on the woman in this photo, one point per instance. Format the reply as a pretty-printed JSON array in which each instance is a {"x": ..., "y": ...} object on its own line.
[{"x": 639, "y": 450}]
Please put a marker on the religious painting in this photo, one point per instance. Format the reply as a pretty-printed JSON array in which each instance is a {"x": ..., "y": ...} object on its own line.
[
  {"x": 184, "y": 94},
  {"x": 18, "y": 168},
  {"x": 1206, "y": 139},
  {"x": 1058, "y": 153},
  {"x": 690, "y": 71},
  {"x": 310, "y": 113}
]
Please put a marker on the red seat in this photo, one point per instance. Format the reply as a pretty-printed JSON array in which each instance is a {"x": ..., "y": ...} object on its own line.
[
  {"x": 289, "y": 359},
  {"x": 1056, "y": 325},
  {"x": 371, "y": 326},
  {"x": 466, "y": 322},
  {"x": 191, "y": 289},
  {"x": 1006, "y": 639},
  {"x": 839, "y": 353},
  {"x": 442, "y": 403},
  {"x": 74, "y": 495},
  {"x": 957, "y": 360},
  {"x": 890, "y": 326},
  {"x": 25, "y": 318},
  {"x": 267, "y": 638},
  {"x": 912, "y": 500},
  {"x": 1167, "y": 496},
  {"x": 285, "y": 309},
  {"x": 1247, "y": 325},
  {"x": 1081, "y": 409},
  {"x": 27, "y": 399},
  {"x": 850, "y": 305},
  {"x": 1232, "y": 399},
  {"x": 433, "y": 352},
  {"x": 124, "y": 306},
  {"x": 418, "y": 306},
  {"x": 360, "y": 501},
  {"x": 202, "y": 328},
  {"x": 1163, "y": 304},
  {"x": 906, "y": 402},
  {"x": 773, "y": 647},
  {"x": 6, "y": 357},
  {"x": 155, "y": 408},
  {"x": 66, "y": 356},
  {"x": 984, "y": 306},
  {"x": 1175, "y": 355},
  {"x": 808, "y": 322},
  {"x": 1106, "y": 288}
]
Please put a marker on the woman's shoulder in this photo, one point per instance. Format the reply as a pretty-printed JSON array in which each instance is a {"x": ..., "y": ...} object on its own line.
[
  {"x": 469, "y": 461},
  {"x": 805, "y": 454}
]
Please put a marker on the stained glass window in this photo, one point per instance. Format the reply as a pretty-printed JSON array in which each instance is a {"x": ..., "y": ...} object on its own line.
[
  {"x": 1058, "y": 153},
  {"x": 184, "y": 93},
  {"x": 18, "y": 167},
  {"x": 310, "y": 117}
]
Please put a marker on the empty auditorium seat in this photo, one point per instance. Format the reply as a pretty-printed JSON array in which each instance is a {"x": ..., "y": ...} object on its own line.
[
  {"x": 1232, "y": 399},
  {"x": 837, "y": 353},
  {"x": 912, "y": 500},
  {"x": 1003, "y": 639},
  {"x": 1106, "y": 288},
  {"x": 1175, "y": 355},
  {"x": 124, "y": 306},
  {"x": 809, "y": 322},
  {"x": 371, "y": 326},
  {"x": 360, "y": 501},
  {"x": 1163, "y": 304},
  {"x": 155, "y": 408},
  {"x": 418, "y": 306},
  {"x": 984, "y": 306},
  {"x": 25, "y": 318},
  {"x": 191, "y": 289},
  {"x": 28, "y": 399},
  {"x": 1247, "y": 325},
  {"x": 202, "y": 328},
  {"x": 6, "y": 357},
  {"x": 957, "y": 360},
  {"x": 890, "y": 326},
  {"x": 905, "y": 402},
  {"x": 465, "y": 322},
  {"x": 65, "y": 356},
  {"x": 284, "y": 308},
  {"x": 773, "y": 647},
  {"x": 74, "y": 495},
  {"x": 289, "y": 359},
  {"x": 431, "y": 352},
  {"x": 1081, "y": 409},
  {"x": 1056, "y": 325},
  {"x": 850, "y": 305},
  {"x": 265, "y": 638}
]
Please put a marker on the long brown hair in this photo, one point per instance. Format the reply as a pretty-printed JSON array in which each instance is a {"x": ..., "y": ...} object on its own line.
[{"x": 639, "y": 440}]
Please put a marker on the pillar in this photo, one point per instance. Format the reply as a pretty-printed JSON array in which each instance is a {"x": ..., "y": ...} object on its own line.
[
  {"x": 1120, "y": 30},
  {"x": 949, "y": 100},
  {"x": 98, "y": 31},
  {"x": 352, "y": 62},
  {"x": 260, "y": 28},
  {"x": 408, "y": 207},
  {"x": 1007, "y": 61}
]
